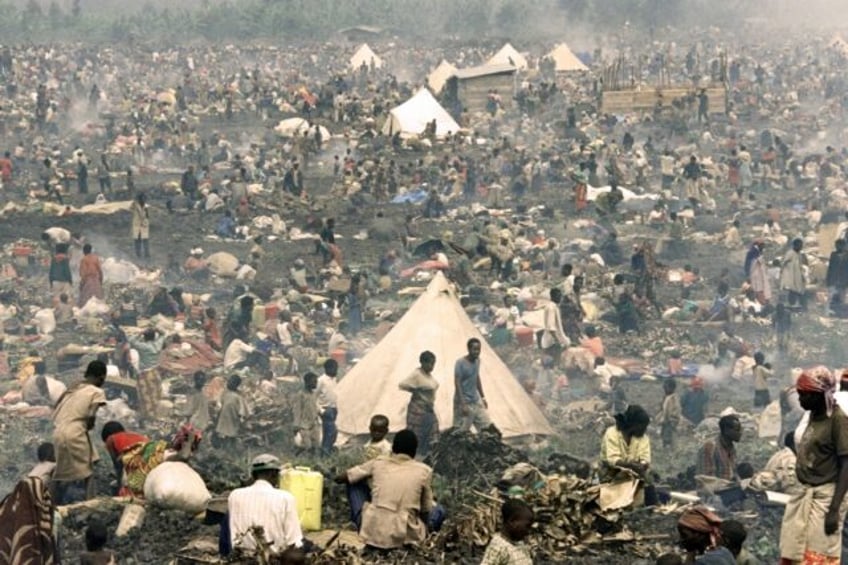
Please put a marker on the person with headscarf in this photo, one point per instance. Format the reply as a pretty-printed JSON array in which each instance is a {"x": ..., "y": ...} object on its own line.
[
  {"x": 811, "y": 532},
  {"x": 700, "y": 536}
]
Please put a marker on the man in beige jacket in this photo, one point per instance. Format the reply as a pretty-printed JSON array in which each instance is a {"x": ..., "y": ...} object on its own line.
[{"x": 401, "y": 495}]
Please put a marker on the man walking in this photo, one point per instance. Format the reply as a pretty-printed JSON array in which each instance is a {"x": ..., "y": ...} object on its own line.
[{"x": 469, "y": 401}]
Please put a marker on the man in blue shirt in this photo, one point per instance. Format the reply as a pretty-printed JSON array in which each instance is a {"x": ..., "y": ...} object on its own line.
[{"x": 469, "y": 402}]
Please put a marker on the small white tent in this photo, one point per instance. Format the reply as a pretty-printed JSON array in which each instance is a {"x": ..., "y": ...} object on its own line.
[
  {"x": 411, "y": 117},
  {"x": 365, "y": 55},
  {"x": 436, "y": 322},
  {"x": 508, "y": 56},
  {"x": 439, "y": 76},
  {"x": 565, "y": 60}
]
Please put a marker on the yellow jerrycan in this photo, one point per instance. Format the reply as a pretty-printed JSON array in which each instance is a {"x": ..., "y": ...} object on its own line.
[{"x": 307, "y": 486}]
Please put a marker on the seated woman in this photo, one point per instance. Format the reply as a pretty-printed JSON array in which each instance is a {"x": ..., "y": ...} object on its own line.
[
  {"x": 626, "y": 445},
  {"x": 135, "y": 455}
]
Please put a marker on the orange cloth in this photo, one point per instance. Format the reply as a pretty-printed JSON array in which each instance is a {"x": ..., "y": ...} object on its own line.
[
  {"x": 212, "y": 334},
  {"x": 594, "y": 345}
]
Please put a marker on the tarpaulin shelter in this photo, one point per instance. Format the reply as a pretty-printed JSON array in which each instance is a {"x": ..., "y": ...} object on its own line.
[{"x": 436, "y": 322}]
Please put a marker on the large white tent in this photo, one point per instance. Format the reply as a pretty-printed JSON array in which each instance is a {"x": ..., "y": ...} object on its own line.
[
  {"x": 565, "y": 60},
  {"x": 436, "y": 322},
  {"x": 365, "y": 55},
  {"x": 508, "y": 55},
  {"x": 411, "y": 117},
  {"x": 439, "y": 76}
]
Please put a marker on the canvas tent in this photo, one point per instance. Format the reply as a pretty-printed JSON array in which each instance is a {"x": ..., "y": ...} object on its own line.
[
  {"x": 508, "y": 56},
  {"x": 411, "y": 117},
  {"x": 438, "y": 323},
  {"x": 439, "y": 76},
  {"x": 565, "y": 60},
  {"x": 365, "y": 55}
]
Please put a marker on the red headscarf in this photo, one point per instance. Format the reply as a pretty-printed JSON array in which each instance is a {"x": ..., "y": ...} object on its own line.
[
  {"x": 818, "y": 379},
  {"x": 700, "y": 519}
]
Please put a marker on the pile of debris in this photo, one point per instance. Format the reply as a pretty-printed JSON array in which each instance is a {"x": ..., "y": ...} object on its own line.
[
  {"x": 576, "y": 521},
  {"x": 570, "y": 515},
  {"x": 463, "y": 455}
]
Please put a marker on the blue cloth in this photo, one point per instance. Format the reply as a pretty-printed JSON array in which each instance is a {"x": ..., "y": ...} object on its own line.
[
  {"x": 411, "y": 197},
  {"x": 357, "y": 495},
  {"x": 436, "y": 518},
  {"x": 226, "y": 227},
  {"x": 354, "y": 313},
  {"x": 225, "y": 544},
  {"x": 264, "y": 346},
  {"x": 467, "y": 374},
  {"x": 329, "y": 433},
  {"x": 718, "y": 556}
]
